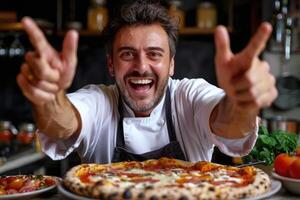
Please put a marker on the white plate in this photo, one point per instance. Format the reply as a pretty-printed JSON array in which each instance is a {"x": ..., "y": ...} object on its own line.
[
  {"x": 291, "y": 184},
  {"x": 27, "y": 195},
  {"x": 71, "y": 195},
  {"x": 275, "y": 187}
]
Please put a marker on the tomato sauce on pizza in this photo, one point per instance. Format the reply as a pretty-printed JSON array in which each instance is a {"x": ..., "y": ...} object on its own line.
[{"x": 24, "y": 183}]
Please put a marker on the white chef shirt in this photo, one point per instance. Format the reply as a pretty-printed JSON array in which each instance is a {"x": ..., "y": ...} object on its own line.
[{"x": 192, "y": 101}]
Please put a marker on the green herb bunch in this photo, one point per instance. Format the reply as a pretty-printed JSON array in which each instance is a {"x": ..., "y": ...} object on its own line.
[{"x": 269, "y": 145}]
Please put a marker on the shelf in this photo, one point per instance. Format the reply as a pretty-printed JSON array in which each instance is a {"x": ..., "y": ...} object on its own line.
[
  {"x": 82, "y": 33},
  {"x": 184, "y": 31},
  {"x": 11, "y": 26},
  {"x": 17, "y": 26},
  {"x": 21, "y": 159},
  {"x": 198, "y": 31}
]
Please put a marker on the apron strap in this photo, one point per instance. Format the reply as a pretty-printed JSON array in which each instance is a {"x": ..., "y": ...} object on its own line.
[
  {"x": 171, "y": 131},
  {"x": 120, "y": 133}
]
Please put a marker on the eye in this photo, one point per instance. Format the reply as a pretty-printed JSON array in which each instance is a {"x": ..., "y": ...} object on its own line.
[
  {"x": 127, "y": 55},
  {"x": 154, "y": 55}
]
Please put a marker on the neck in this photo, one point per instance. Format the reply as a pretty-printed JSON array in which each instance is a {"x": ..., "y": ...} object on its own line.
[{"x": 142, "y": 114}]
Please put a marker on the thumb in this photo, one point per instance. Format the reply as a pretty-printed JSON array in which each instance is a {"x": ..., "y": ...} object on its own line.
[
  {"x": 69, "y": 57},
  {"x": 258, "y": 41},
  {"x": 222, "y": 42},
  {"x": 69, "y": 52}
]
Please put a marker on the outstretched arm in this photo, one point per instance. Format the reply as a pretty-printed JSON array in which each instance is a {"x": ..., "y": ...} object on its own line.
[
  {"x": 43, "y": 79},
  {"x": 247, "y": 82}
]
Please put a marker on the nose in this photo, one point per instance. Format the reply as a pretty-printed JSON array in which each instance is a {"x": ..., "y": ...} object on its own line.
[{"x": 141, "y": 64}]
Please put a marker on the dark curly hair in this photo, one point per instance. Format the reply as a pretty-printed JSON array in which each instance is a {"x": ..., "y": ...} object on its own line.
[{"x": 142, "y": 12}]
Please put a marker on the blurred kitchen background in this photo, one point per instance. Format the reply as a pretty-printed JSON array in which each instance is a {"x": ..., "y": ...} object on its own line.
[{"x": 19, "y": 149}]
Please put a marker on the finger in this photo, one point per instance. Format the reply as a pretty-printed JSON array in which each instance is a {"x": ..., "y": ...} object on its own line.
[
  {"x": 41, "y": 84},
  {"x": 40, "y": 68},
  {"x": 258, "y": 41},
  {"x": 47, "y": 86},
  {"x": 222, "y": 42},
  {"x": 255, "y": 75},
  {"x": 39, "y": 42},
  {"x": 35, "y": 95},
  {"x": 266, "y": 99},
  {"x": 70, "y": 45},
  {"x": 254, "y": 92},
  {"x": 243, "y": 83},
  {"x": 69, "y": 57},
  {"x": 36, "y": 36},
  {"x": 263, "y": 101},
  {"x": 27, "y": 73}
]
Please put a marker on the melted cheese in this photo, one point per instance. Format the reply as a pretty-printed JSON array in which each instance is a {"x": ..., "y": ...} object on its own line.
[{"x": 141, "y": 178}]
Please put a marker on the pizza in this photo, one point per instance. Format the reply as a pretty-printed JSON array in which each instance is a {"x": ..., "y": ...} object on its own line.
[
  {"x": 25, "y": 183},
  {"x": 166, "y": 178}
]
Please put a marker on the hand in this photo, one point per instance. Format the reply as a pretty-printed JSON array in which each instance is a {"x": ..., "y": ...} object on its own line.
[
  {"x": 243, "y": 76},
  {"x": 45, "y": 71}
]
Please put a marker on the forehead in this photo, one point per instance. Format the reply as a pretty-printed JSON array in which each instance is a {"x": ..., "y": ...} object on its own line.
[{"x": 142, "y": 36}]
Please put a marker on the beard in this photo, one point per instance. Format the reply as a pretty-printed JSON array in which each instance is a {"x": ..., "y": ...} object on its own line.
[{"x": 140, "y": 106}]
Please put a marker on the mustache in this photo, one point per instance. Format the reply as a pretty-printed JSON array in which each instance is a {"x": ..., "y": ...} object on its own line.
[{"x": 137, "y": 74}]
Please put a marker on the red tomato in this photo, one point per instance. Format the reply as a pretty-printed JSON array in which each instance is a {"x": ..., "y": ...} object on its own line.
[
  {"x": 282, "y": 163},
  {"x": 25, "y": 138},
  {"x": 6, "y": 136},
  {"x": 298, "y": 151},
  {"x": 49, "y": 181},
  {"x": 85, "y": 177},
  {"x": 294, "y": 169}
]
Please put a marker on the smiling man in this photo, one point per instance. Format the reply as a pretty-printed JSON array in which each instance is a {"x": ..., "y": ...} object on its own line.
[
  {"x": 141, "y": 64},
  {"x": 146, "y": 114}
]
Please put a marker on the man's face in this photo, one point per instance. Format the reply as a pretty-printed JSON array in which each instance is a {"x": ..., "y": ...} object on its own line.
[{"x": 141, "y": 65}]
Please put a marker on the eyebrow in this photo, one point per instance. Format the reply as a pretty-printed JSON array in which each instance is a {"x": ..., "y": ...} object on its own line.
[
  {"x": 133, "y": 49},
  {"x": 156, "y": 49}
]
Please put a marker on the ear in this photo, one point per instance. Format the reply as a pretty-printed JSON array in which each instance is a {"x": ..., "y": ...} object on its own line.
[
  {"x": 110, "y": 66},
  {"x": 172, "y": 64}
]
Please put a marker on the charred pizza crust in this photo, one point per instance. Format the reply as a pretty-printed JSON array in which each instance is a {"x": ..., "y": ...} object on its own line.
[{"x": 166, "y": 179}]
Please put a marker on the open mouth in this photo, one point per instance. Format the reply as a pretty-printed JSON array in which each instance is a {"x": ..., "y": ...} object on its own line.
[{"x": 140, "y": 85}]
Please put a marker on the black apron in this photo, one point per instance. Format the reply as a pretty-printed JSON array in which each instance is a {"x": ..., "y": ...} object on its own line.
[{"x": 171, "y": 150}]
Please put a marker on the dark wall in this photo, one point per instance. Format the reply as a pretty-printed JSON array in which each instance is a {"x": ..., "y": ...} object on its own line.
[
  {"x": 13, "y": 105},
  {"x": 194, "y": 58}
]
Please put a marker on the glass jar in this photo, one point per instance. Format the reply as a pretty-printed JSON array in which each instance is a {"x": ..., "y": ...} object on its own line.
[
  {"x": 26, "y": 134},
  {"x": 176, "y": 11},
  {"x": 7, "y": 135},
  {"x": 7, "y": 132},
  {"x": 97, "y": 15},
  {"x": 206, "y": 15}
]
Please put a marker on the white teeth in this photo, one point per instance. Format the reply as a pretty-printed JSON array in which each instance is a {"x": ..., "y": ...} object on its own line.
[{"x": 141, "y": 81}]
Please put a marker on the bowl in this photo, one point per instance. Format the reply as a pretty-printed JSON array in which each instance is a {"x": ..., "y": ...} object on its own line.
[{"x": 290, "y": 184}]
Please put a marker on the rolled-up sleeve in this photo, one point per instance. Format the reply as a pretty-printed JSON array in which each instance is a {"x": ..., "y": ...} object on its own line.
[
  {"x": 236, "y": 147},
  {"x": 83, "y": 100},
  {"x": 60, "y": 149}
]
